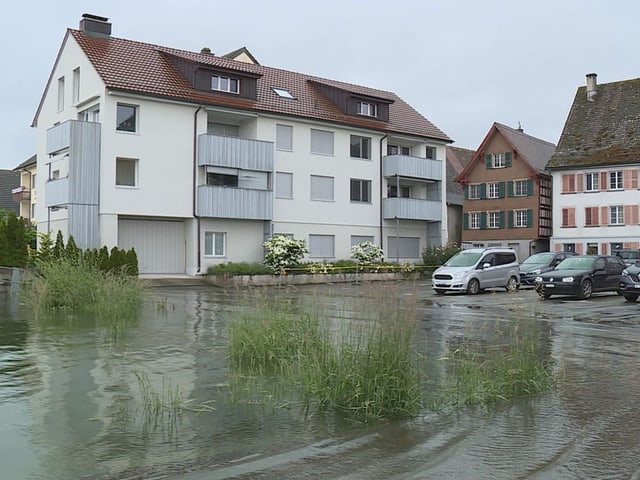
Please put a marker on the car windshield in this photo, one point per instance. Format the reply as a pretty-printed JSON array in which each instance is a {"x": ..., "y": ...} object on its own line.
[
  {"x": 577, "y": 263},
  {"x": 463, "y": 259},
  {"x": 539, "y": 259},
  {"x": 633, "y": 255}
]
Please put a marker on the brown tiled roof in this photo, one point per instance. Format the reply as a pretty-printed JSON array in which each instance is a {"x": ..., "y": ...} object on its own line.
[
  {"x": 457, "y": 159},
  {"x": 603, "y": 132},
  {"x": 148, "y": 69}
]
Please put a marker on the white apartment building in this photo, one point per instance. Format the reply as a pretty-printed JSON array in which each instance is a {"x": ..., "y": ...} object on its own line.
[
  {"x": 195, "y": 159},
  {"x": 595, "y": 170}
]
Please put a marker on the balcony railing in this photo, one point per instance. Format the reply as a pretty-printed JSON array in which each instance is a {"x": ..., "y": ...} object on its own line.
[
  {"x": 57, "y": 192},
  {"x": 21, "y": 194},
  {"x": 232, "y": 152},
  {"x": 413, "y": 167},
  {"x": 412, "y": 209},
  {"x": 230, "y": 202}
]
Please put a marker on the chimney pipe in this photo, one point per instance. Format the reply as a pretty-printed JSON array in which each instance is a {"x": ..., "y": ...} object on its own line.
[
  {"x": 591, "y": 86},
  {"x": 95, "y": 25}
]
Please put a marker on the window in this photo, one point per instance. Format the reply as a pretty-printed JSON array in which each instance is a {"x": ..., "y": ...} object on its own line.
[
  {"x": 284, "y": 137},
  {"x": 398, "y": 150},
  {"x": 321, "y": 246},
  {"x": 225, "y": 84},
  {"x": 321, "y": 142},
  {"x": 358, "y": 239},
  {"x": 592, "y": 182},
  {"x": 321, "y": 188},
  {"x": 76, "y": 86},
  {"x": 284, "y": 93},
  {"x": 615, "y": 180},
  {"x": 568, "y": 217},
  {"x": 392, "y": 191},
  {"x": 474, "y": 220},
  {"x": 360, "y": 147},
  {"x": 222, "y": 179},
  {"x": 569, "y": 247},
  {"x": 403, "y": 247},
  {"x": 520, "y": 188},
  {"x": 474, "y": 191},
  {"x": 91, "y": 114},
  {"x": 616, "y": 215},
  {"x": 592, "y": 249},
  {"x": 361, "y": 190},
  {"x": 591, "y": 216},
  {"x": 368, "y": 109},
  {"x": 284, "y": 185},
  {"x": 126, "y": 174},
  {"x": 494, "y": 219},
  {"x": 55, "y": 174},
  {"x": 494, "y": 190},
  {"x": 126, "y": 118},
  {"x": 431, "y": 153},
  {"x": 214, "y": 244},
  {"x": 568, "y": 183},
  {"x": 61, "y": 94},
  {"x": 223, "y": 129},
  {"x": 521, "y": 218}
]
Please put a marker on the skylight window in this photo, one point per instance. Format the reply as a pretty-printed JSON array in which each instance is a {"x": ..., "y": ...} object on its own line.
[{"x": 283, "y": 93}]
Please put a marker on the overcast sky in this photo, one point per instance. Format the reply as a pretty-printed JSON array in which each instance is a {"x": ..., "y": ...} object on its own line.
[{"x": 463, "y": 64}]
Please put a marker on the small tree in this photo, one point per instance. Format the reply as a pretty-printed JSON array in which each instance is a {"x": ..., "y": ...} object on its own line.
[{"x": 283, "y": 252}]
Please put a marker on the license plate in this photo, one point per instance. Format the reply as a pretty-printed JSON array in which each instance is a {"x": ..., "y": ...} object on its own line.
[{"x": 550, "y": 285}]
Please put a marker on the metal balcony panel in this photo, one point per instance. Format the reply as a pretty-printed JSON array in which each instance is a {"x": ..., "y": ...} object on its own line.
[
  {"x": 232, "y": 152},
  {"x": 414, "y": 167},
  {"x": 240, "y": 203},
  {"x": 412, "y": 209},
  {"x": 57, "y": 192},
  {"x": 58, "y": 137}
]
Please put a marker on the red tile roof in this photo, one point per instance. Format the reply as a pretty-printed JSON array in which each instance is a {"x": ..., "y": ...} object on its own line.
[{"x": 148, "y": 69}]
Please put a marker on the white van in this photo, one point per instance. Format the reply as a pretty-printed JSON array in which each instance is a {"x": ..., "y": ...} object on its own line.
[{"x": 474, "y": 269}]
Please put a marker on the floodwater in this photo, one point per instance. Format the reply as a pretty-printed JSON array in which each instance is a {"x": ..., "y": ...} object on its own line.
[{"x": 70, "y": 396}]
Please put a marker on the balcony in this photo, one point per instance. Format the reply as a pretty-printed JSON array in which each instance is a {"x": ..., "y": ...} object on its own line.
[
  {"x": 232, "y": 152},
  {"x": 57, "y": 192},
  {"x": 239, "y": 203},
  {"x": 21, "y": 194},
  {"x": 412, "y": 167},
  {"x": 411, "y": 209}
]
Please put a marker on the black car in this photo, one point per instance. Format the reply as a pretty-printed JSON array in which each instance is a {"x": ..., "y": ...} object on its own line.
[
  {"x": 630, "y": 283},
  {"x": 581, "y": 276},
  {"x": 540, "y": 263}
]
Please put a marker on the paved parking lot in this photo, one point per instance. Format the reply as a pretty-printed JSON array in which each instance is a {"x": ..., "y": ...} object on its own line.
[{"x": 601, "y": 308}]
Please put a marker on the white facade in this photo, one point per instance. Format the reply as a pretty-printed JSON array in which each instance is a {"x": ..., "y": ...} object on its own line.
[{"x": 175, "y": 162}]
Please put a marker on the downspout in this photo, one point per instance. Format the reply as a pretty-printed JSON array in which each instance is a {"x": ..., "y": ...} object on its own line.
[
  {"x": 195, "y": 186},
  {"x": 381, "y": 198}
]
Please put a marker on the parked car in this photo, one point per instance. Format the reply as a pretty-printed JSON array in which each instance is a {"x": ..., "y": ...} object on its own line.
[
  {"x": 538, "y": 263},
  {"x": 581, "y": 276},
  {"x": 628, "y": 255},
  {"x": 475, "y": 269},
  {"x": 630, "y": 283}
]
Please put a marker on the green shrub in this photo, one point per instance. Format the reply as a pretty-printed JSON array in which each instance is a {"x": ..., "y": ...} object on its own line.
[
  {"x": 239, "y": 268},
  {"x": 436, "y": 256}
]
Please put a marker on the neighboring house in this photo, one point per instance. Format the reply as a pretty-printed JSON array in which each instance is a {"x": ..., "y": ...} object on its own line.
[
  {"x": 195, "y": 159},
  {"x": 508, "y": 193},
  {"x": 595, "y": 170},
  {"x": 8, "y": 181},
  {"x": 457, "y": 159},
  {"x": 25, "y": 193}
]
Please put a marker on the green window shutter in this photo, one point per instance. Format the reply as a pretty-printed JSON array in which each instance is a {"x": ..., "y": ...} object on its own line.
[
  {"x": 501, "y": 219},
  {"x": 466, "y": 192},
  {"x": 489, "y": 159},
  {"x": 529, "y": 218},
  {"x": 510, "y": 218},
  {"x": 483, "y": 190},
  {"x": 507, "y": 158},
  {"x": 483, "y": 219},
  {"x": 501, "y": 190},
  {"x": 465, "y": 221},
  {"x": 530, "y": 186},
  {"x": 510, "y": 189}
]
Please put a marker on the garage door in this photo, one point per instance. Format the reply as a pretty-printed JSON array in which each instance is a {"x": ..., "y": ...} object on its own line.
[{"x": 159, "y": 245}]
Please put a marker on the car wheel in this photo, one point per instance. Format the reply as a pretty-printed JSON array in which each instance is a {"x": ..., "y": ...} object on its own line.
[
  {"x": 439, "y": 291},
  {"x": 630, "y": 297},
  {"x": 512, "y": 285},
  {"x": 586, "y": 290},
  {"x": 473, "y": 287},
  {"x": 546, "y": 294}
]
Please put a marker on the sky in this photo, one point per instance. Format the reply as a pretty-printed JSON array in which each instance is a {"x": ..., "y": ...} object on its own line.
[{"x": 463, "y": 64}]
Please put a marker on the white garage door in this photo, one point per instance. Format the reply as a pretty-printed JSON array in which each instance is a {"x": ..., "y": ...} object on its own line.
[{"x": 159, "y": 245}]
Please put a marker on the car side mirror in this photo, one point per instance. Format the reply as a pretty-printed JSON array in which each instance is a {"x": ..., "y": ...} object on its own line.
[{"x": 485, "y": 265}]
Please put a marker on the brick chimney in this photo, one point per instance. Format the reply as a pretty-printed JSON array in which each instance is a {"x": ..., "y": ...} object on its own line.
[
  {"x": 591, "y": 86},
  {"x": 95, "y": 25}
]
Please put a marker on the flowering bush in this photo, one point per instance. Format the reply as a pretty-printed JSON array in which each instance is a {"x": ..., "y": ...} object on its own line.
[
  {"x": 283, "y": 252},
  {"x": 366, "y": 253}
]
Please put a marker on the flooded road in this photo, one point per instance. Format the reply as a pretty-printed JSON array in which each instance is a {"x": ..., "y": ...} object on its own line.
[{"x": 70, "y": 396}]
